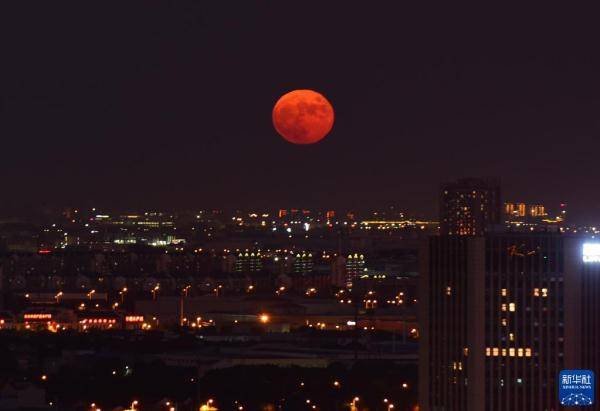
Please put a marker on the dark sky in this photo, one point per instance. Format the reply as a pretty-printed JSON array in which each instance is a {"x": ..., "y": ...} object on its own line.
[{"x": 168, "y": 104}]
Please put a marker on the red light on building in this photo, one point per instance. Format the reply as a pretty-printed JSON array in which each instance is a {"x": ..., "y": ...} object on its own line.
[{"x": 44, "y": 251}]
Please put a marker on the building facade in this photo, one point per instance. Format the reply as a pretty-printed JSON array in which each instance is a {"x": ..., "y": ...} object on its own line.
[
  {"x": 501, "y": 316},
  {"x": 469, "y": 206}
]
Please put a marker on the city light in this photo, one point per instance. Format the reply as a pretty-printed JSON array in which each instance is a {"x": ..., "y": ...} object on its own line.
[
  {"x": 208, "y": 406},
  {"x": 591, "y": 253}
]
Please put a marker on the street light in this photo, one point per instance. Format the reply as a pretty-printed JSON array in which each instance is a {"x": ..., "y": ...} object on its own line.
[
  {"x": 186, "y": 289},
  {"x": 122, "y": 294},
  {"x": 217, "y": 290},
  {"x": 92, "y": 292},
  {"x": 155, "y": 290},
  {"x": 57, "y": 296},
  {"x": 208, "y": 406}
]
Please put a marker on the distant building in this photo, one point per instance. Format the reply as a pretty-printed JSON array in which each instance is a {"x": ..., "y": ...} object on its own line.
[
  {"x": 338, "y": 271},
  {"x": 355, "y": 265},
  {"x": 248, "y": 261},
  {"x": 303, "y": 263},
  {"x": 501, "y": 315},
  {"x": 469, "y": 206},
  {"x": 513, "y": 210}
]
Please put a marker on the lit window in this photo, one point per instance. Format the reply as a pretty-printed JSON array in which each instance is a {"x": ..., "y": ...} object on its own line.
[
  {"x": 504, "y": 352},
  {"x": 503, "y": 307},
  {"x": 511, "y": 307},
  {"x": 495, "y": 351},
  {"x": 448, "y": 290},
  {"x": 536, "y": 292},
  {"x": 511, "y": 336},
  {"x": 488, "y": 351},
  {"x": 520, "y": 352},
  {"x": 503, "y": 292},
  {"x": 527, "y": 352},
  {"x": 466, "y": 351},
  {"x": 511, "y": 352},
  {"x": 504, "y": 322},
  {"x": 544, "y": 292}
]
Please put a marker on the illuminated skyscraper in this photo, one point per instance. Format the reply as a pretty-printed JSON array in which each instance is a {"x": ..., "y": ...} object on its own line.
[
  {"x": 303, "y": 263},
  {"x": 501, "y": 315},
  {"x": 469, "y": 206},
  {"x": 355, "y": 265},
  {"x": 513, "y": 210},
  {"x": 248, "y": 261}
]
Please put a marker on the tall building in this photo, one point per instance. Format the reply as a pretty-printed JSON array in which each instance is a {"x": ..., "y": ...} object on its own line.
[
  {"x": 469, "y": 206},
  {"x": 355, "y": 265},
  {"x": 303, "y": 263},
  {"x": 501, "y": 315},
  {"x": 524, "y": 210},
  {"x": 248, "y": 261}
]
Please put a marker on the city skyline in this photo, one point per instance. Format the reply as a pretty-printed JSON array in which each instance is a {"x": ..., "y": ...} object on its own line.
[
  {"x": 292, "y": 206},
  {"x": 179, "y": 112},
  {"x": 511, "y": 209}
]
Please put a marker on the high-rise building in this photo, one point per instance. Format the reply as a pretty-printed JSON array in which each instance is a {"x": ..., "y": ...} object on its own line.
[
  {"x": 513, "y": 210},
  {"x": 355, "y": 265},
  {"x": 501, "y": 315},
  {"x": 303, "y": 263},
  {"x": 537, "y": 210},
  {"x": 248, "y": 261},
  {"x": 469, "y": 206}
]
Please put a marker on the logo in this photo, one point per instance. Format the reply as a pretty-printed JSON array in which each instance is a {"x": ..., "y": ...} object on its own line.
[
  {"x": 591, "y": 253},
  {"x": 576, "y": 387}
]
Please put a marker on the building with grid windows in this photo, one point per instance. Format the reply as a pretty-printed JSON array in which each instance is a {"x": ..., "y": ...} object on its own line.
[
  {"x": 469, "y": 206},
  {"x": 501, "y": 315}
]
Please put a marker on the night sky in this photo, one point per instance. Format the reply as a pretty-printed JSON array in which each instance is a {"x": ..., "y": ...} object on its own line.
[{"x": 168, "y": 104}]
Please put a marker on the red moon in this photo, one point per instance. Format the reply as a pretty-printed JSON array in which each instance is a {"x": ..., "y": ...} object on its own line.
[{"x": 303, "y": 116}]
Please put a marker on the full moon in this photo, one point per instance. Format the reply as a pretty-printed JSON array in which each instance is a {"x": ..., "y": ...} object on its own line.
[{"x": 303, "y": 116}]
